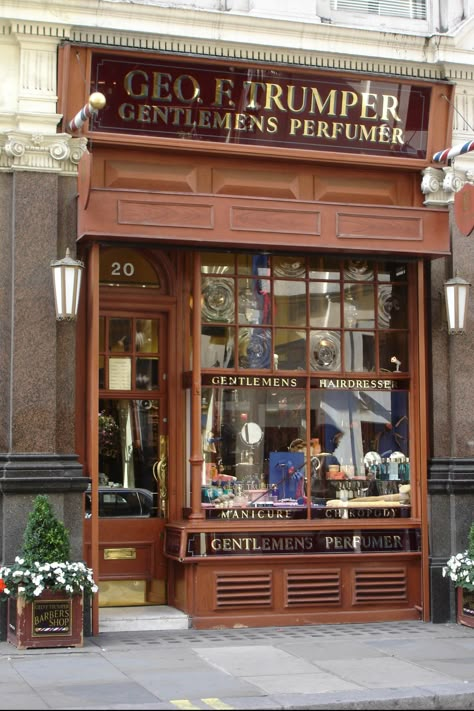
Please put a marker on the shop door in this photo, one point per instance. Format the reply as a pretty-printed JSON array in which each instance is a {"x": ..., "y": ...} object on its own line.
[{"x": 133, "y": 457}]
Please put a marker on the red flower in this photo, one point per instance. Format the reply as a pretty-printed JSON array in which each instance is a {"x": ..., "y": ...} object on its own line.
[{"x": 2, "y": 585}]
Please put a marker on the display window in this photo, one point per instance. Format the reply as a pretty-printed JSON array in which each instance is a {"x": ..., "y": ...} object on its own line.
[{"x": 305, "y": 385}]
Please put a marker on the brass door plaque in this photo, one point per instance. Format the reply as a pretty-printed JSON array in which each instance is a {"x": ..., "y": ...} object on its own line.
[{"x": 120, "y": 553}]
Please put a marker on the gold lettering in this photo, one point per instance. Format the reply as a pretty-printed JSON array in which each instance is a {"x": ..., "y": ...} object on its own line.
[
  {"x": 291, "y": 98},
  {"x": 368, "y": 134},
  {"x": 178, "y": 88},
  {"x": 369, "y": 101},
  {"x": 295, "y": 125},
  {"x": 321, "y": 106},
  {"x": 389, "y": 106},
  {"x": 126, "y": 112},
  {"x": 223, "y": 88},
  {"x": 348, "y": 99},
  {"x": 273, "y": 94},
  {"x": 144, "y": 112},
  {"x": 142, "y": 90},
  {"x": 160, "y": 86}
]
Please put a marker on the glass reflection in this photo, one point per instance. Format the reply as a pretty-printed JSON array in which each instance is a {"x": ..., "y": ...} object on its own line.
[{"x": 128, "y": 451}]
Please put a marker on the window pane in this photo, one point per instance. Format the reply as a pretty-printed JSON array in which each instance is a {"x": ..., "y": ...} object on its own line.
[
  {"x": 324, "y": 305},
  {"x": 254, "y": 306},
  {"x": 217, "y": 347},
  {"x": 217, "y": 263},
  {"x": 359, "y": 310},
  {"x": 363, "y": 436},
  {"x": 218, "y": 300},
  {"x": 252, "y": 446},
  {"x": 255, "y": 348},
  {"x": 290, "y": 303},
  {"x": 392, "y": 306},
  {"x": 325, "y": 350},
  {"x": 359, "y": 351},
  {"x": 324, "y": 267},
  {"x": 290, "y": 349},
  {"x": 393, "y": 351}
]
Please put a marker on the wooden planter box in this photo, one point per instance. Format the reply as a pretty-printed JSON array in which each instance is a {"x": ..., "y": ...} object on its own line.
[
  {"x": 52, "y": 620},
  {"x": 465, "y": 607}
]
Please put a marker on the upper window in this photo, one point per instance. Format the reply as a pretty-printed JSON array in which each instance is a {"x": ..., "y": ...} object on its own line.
[
  {"x": 315, "y": 314},
  {"x": 414, "y": 9}
]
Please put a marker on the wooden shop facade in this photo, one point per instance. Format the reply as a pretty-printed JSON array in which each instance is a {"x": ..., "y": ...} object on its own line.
[{"x": 253, "y": 334}]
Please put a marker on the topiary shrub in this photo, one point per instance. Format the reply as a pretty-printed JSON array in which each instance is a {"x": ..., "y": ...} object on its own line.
[{"x": 46, "y": 539}]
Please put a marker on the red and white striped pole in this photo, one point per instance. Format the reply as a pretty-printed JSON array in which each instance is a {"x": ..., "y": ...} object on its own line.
[
  {"x": 96, "y": 101},
  {"x": 449, "y": 153}
]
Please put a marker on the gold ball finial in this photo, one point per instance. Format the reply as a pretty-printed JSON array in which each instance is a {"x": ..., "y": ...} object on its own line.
[{"x": 97, "y": 100}]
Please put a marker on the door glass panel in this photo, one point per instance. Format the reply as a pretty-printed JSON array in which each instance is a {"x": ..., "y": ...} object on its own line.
[
  {"x": 120, "y": 334},
  {"x": 147, "y": 374},
  {"x": 129, "y": 450},
  {"x": 146, "y": 335}
]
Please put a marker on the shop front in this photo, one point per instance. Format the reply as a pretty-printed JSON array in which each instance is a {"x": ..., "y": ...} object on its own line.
[{"x": 254, "y": 337}]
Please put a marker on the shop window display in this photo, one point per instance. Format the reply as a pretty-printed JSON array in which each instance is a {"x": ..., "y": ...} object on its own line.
[{"x": 305, "y": 385}]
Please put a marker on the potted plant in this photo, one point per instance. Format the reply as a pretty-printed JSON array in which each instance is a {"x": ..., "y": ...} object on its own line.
[
  {"x": 44, "y": 589},
  {"x": 460, "y": 569}
]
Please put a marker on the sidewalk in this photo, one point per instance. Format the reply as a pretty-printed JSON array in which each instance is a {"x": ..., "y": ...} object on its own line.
[{"x": 404, "y": 665}]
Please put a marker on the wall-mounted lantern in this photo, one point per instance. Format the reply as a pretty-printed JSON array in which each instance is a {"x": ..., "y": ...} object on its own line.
[
  {"x": 67, "y": 275},
  {"x": 456, "y": 294}
]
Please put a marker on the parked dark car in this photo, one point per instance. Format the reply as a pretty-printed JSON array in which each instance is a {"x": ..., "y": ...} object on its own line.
[{"x": 122, "y": 502}]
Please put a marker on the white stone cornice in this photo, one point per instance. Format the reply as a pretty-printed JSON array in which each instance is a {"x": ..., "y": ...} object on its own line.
[{"x": 57, "y": 153}]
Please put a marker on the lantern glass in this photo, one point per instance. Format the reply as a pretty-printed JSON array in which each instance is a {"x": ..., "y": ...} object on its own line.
[
  {"x": 456, "y": 292},
  {"x": 67, "y": 275}
]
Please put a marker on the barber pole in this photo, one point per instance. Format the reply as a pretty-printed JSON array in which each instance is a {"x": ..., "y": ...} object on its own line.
[
  {"x": 96, "y": 102},
  {"x": 448, "y": 153}
]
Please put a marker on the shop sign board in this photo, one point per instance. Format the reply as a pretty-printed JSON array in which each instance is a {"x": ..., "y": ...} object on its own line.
[
  {"x": 358, "y": 541},
  {"x": 235, "y": 103},
  {"x": 282, "y": 381},
  {"x": 272, "y": 513}
]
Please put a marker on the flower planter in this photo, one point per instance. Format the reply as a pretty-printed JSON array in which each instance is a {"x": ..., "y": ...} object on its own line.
[
  {"x": 465, "y": 607},
  {"x": 52, "y": 620}
]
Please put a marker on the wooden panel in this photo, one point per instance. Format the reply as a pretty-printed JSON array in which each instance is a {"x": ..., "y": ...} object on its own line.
[
  {"x": 166, "y": 214},
  {"x": 261, "y": 183},
  {"x": 376, "y": 226},
  {"x": 156, "y": 175},
  {"x": 277, "y": 221},
  {"x": 304, "y": 590},
  {"x": 373, "y": 188},
  {"x": 231, "y": 220}
]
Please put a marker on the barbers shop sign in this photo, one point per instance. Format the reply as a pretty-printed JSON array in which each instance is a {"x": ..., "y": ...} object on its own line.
[{"x": 248, "y": 105}]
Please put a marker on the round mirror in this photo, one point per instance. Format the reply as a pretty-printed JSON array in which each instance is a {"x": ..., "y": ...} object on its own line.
[{"x": 251, "y": 433}]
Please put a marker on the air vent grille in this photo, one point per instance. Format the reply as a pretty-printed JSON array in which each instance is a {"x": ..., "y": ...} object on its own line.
[
  {"x": 243, "y": 590},
  {"x": 380, "y": 585},
  {"x": 318, "y": 587}
]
